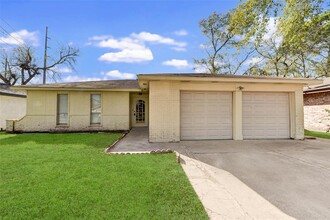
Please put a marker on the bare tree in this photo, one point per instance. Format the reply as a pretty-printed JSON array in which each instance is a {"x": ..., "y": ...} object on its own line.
[
  {"x": 22, "y": 66},
  {"x": 7, "y": 75}
]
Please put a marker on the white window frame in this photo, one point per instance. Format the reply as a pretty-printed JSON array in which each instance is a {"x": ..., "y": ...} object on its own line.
[
  {"x": 58, "y": 110},
  {"x": 90, "y": 110}
]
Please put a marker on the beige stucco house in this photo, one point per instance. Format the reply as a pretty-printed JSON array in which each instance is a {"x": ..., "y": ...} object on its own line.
[
  {"x": 12, "y": 105},
  {"x": 174, "y": 106}
]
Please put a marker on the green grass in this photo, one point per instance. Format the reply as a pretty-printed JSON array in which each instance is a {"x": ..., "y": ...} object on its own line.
[
  {"x": 317, "y": 134},
  {"x": 67, "y": 176}
]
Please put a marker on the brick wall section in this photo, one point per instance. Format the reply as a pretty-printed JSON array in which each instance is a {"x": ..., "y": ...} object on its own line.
[{"x": 320, "y": 98}]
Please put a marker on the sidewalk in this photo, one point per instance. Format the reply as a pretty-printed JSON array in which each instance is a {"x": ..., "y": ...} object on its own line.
[{"x": 226, "y": 197}]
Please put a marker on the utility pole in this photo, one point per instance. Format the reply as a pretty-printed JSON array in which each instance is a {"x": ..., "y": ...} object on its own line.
[
  {"x": 45, "y": 57},
  {"x": 6, "y": 63}
]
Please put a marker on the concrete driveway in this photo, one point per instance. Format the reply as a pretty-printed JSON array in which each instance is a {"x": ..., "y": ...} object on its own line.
[{"x": 292, "y": 175}]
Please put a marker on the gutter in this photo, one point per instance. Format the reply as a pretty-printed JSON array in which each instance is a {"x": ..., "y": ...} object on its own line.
[
  {"x": 317, "y": 90},
  {"x": 13, "y": 95},
  {"x": 73, "y": 89},
  {"x": 230, "y": 79}
]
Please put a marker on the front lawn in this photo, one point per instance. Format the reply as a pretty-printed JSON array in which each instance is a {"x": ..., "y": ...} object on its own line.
[
  {"x": 317, "y": 134},
  {"x": 67, "y": 176}
]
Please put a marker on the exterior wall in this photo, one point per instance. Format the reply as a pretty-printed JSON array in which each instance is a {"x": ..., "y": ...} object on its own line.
[
  {"x": 298, "y": 115},
  {"x": 317, "y": 118},
  {"x": 238, "y": 115},
  {"x": 319, "y": 98},
  {"x": 42, "y": 109},
  {"x": 164, "y": 116},
  {"x": 11, "y": 107},
  {"x": 317, "y": 111},
  {"x": 164, "y": 103}
]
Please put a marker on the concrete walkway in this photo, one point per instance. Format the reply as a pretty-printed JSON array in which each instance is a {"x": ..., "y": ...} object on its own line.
[
  {"x": 226, "y": 197},
  {"x": 137, "y": 140},
  {"x": 223, "y": 195}
]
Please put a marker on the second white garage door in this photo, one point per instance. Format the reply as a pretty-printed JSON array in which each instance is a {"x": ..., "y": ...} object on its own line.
[
  {"x": 206, "y": 115},
  {"x": 265, "y": 115}
]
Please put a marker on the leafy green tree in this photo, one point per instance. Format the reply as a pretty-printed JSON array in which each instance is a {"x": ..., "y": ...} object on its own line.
[
  {"x": 296, "y": 18},
  {"x": 303, "y": 27},
  {"x": 215, "y": 29},
  {"x": 222, "y": 54}
]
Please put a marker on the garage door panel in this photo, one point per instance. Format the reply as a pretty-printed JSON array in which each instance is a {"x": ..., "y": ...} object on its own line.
[
  {"x": 265, "y": 115},
  {"x": 213, "y": 109},
  {"x": 213, "y": 97},
  {"x": 186, "y": 98},
  {"x": 199, "y": 121},
  {"x": 270, "y": 121},
  {"x": 198, "y": 110},
  {"x": 213, "y": 119},
  {"x": 208, "y": 115}
]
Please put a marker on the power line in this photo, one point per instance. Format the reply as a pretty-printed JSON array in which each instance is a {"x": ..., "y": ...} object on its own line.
[
  {"x": 4, "y": 37},
  {"x": 10, "y": 45},
  {"x": 18, "y": 41},
  {"x": 8, "y": 24},
  {"x": 5, "y": 31},
  {"x": 14, "y": 30}
]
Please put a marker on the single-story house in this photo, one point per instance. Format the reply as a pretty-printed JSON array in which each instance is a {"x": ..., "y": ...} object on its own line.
[
  {"x": 12, "y": 104},
  {"x": 317, "y": 107},
  {"x": 174, "y": 106}
]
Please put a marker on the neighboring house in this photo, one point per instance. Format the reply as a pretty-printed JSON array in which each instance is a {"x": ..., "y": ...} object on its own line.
[
  {"x": 174, "y": 106},
  {"x": 12, "y": 104},
  {"x": 317, "y": 107}
]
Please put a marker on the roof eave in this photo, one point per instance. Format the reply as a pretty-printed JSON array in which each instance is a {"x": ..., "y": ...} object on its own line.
[
  {"x": 30, "y": 88},
  {"x": 317, "y": 90},
  {"x": 224, "y": 79},
  {"x": 13, "y": 94}
]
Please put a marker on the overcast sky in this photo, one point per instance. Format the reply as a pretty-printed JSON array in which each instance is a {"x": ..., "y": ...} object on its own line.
[{"x": 117, "y": 39}]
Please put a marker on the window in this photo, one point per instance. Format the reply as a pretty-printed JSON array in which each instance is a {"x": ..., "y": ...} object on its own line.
[
  {"x": 62, "y": 109},
  {"x": 96, "y": 109}
]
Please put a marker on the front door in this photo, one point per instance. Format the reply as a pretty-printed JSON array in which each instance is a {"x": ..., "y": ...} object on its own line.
[{"x": 139, "y": 108}]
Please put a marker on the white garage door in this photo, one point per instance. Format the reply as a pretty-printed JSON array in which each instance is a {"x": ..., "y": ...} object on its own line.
[
  {"x": 206, "y": 115},
  {"x": 265, "y": 115}
]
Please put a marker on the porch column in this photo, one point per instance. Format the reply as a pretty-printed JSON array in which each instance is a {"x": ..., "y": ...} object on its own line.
[{"x": 237, "y": 115}]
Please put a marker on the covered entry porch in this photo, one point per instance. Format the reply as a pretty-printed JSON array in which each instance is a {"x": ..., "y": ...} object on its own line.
[{"x": 139, "y": 109}]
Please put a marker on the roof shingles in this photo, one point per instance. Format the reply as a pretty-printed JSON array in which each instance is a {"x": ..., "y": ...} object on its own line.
[
  {"x": 103, "y": 84},
  {"x": 6, "y": 91}
]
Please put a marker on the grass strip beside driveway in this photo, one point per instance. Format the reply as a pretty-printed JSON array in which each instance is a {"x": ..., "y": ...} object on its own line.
[
  {"x": 317, "y": 134},
  {"x": 55, "y": 176}
]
